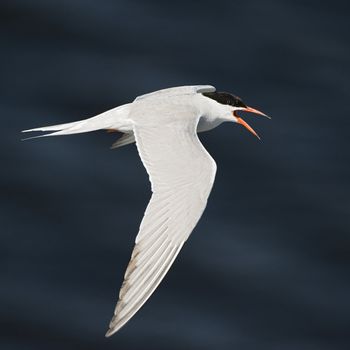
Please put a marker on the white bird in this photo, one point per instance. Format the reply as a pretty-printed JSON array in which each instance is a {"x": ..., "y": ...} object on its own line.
[{"x": 164, "y": 125}]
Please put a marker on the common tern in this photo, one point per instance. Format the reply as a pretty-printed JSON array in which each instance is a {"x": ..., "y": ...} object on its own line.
[{"x": 164, "y": 124}]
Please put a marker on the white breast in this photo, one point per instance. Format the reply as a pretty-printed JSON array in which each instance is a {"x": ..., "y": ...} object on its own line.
[{"x": 206, "y": 124}]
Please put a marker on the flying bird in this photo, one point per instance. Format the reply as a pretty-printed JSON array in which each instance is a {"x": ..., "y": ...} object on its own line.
[{"x": 164, "y": 124}]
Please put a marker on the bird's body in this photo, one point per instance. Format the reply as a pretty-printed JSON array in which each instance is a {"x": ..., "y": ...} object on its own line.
[{"x": 164, "y": 125}]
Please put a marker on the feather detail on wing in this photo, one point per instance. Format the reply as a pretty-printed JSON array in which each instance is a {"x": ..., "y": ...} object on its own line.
[{"x": 182, "y": 174}]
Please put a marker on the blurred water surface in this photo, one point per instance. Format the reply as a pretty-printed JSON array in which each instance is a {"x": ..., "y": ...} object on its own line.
[{"x": 268, "y": 265}]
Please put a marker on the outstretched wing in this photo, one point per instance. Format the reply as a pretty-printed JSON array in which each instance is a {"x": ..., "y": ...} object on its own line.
[{"x": 182, "y": 174}]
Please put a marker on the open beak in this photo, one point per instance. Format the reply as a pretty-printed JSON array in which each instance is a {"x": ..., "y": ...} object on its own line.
[
  {"x": 245, "y": 124},
  {"x": 253, "y": 110}
]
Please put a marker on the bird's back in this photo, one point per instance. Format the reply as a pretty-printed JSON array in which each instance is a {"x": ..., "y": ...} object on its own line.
[{"x": 179, "y": 90}]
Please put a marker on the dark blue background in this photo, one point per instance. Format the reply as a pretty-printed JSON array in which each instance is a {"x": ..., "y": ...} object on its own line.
[{"x": 268, "y": 265}]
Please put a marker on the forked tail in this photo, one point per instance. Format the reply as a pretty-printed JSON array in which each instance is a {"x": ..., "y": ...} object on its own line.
[{"x": 107, "y": 120}]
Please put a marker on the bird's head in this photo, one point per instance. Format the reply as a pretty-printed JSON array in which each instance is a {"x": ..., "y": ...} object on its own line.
[{"x": 232, "y": 104}]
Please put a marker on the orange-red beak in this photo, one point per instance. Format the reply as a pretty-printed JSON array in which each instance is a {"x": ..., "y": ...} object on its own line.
[{"x": 244, "y": 123}]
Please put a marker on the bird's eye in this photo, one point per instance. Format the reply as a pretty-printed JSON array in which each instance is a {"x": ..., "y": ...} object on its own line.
[{"x": 239, "y": 103}]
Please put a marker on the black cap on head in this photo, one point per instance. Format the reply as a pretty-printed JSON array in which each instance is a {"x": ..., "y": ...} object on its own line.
[{"x": 225, "y": 98}]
